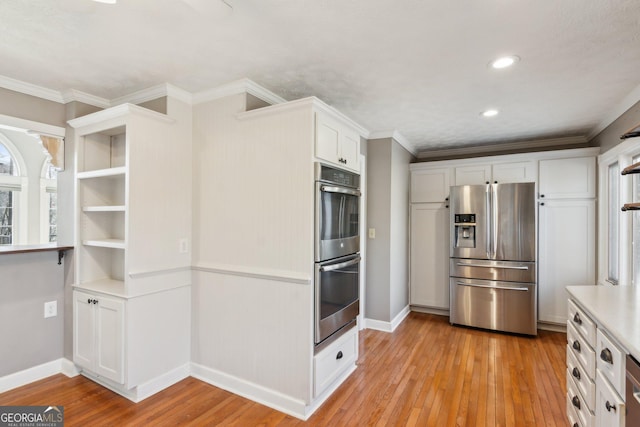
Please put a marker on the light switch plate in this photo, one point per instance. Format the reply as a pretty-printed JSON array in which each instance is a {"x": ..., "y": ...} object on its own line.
[
  {"x": 372, "y": 233},
  {"x": 50, "y": 309}
]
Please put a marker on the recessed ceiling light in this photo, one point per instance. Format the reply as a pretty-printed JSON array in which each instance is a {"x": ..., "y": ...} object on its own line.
[
  {"x": 504, "y": 62},
  {"x": 489, "y": 113},
  {"x": 106, "y": 1}
]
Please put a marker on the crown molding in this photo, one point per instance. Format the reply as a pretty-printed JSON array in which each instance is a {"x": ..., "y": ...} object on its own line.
[
  {"x": 507, "y": 146},
  {"x": 627, "y": 102},
  {"x": 31, "y": 89},
  {"x": 398, "y": 137},
  {"x": 86, "y": 98},
  {"x": 235, "y": 88}
]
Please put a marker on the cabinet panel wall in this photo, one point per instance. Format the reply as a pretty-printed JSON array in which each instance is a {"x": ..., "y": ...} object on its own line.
[
  {"x": 431, "y": 185},
  {"x": 573, "y": 178},
  {"x": 430, "y": 255}
]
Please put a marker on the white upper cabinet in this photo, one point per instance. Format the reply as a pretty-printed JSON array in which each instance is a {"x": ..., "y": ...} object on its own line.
[
  {"x": 499, "y": 173},
  {"x": 430, "y": 185},
  {"x": 337, "y": 143},
  {"x": 570, "y": 178}
]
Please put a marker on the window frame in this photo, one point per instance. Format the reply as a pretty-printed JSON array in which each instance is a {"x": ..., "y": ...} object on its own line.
[{"x": 18, "y": 185}]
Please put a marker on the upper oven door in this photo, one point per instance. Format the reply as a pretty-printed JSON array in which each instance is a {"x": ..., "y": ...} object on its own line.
[{"x": 337, "y": 221}]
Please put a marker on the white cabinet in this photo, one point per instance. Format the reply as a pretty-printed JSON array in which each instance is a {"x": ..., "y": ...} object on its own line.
[
  {"x": 569, "y": 178},
  {"x": 566, "y": 253},
  {"x": 567, "y": 228},
  {"x": 429, "y": 262},
  {"x": 98, "y": 334},
  {"x": 336, "y": 142},
  {"x": 335, "y": 361},
  {"x": 430, "y": 185},
  {"x": 498, "y": 172}
]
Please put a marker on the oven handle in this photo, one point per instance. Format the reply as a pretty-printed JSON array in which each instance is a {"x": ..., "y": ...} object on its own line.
[
  {"x": 338, "y": 266},
  {"x": 341, "y": 190}
]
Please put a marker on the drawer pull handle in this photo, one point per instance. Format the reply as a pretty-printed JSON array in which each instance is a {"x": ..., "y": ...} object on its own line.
[
  {"x": 576, "y": 346},
  {"x": 575, "y": 425},
  {"x": 610, "y": 407},
  {"x": 339, "y": 355},
  {"x": 576, "y": 402},
  {"x": 606, "y": 356},
  {"x": 577, "y": 319},
  {"x": 576, "y": 373}
]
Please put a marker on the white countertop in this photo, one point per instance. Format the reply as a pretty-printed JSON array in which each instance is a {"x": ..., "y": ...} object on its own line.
[{"x": 616, "y": 309}]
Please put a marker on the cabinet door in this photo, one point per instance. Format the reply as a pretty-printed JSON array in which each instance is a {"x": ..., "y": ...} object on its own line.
[
  {"x": 573, "y": 178},
  {"x": 473, "y": 175},
  {"x": 431, "y": 185},
  {"x": 110, "y": 339},
  {"x": 566, "y": 253},
  {"x": 349, "y": 150},
  {"x": 327, "y": 138},
  {"x": 514, "y": 172},
  {"x": 430, "y": 255},
  {"x": 83, "y": 329}
]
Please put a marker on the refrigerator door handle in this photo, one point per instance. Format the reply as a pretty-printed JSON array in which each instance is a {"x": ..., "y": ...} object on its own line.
[
  {"x": 506, "y": 288},
  {"x": 487, "y": 222},
  {"x": 494, "y": 220},
  {"x": 509, "y": 267}
]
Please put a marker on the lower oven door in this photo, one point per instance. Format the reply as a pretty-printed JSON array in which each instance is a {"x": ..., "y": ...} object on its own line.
[
  {"x": 489, "y": 304},
  {"x": 336, "y": 294}
]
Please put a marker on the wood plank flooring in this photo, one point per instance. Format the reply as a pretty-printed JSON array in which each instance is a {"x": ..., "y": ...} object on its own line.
[{"x": 427, "y": 373}]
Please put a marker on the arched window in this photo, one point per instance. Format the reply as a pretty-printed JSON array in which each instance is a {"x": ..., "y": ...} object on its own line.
[{"x": 8, "y": 170}]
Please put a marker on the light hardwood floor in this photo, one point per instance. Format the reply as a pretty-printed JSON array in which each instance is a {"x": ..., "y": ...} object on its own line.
[{"x": 427, "y": 373}]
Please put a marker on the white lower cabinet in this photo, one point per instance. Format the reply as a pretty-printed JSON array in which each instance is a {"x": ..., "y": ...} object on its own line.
[
  {"x": 335, "y": 360},
  {"x": 98, "y": 334},
  {"x": 595, "y": 373},
  {"x": 429, "y": 276}
]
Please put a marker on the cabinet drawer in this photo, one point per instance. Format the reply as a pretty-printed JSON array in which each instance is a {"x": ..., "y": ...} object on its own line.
[
  {"x": 582, "y": 381},
  {"x": 610, "y": 408},
  {"x": 581, "y": 350},
  {"x": 574, "y": 420},
  {"x": 582, "y": 323},
  {"x": 334, "y": 360},
  {"x": 575, "y": 401},
  {"x": 611, "y": 362}
]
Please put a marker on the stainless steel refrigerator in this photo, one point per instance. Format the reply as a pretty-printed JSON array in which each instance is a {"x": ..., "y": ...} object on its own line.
[{"x": 492, "y": 268}]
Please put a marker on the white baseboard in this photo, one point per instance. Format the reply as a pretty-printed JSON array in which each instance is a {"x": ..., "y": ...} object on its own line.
[
  {"x": 257, "y": 393},
  {"x": 383, "y": 326},
  {"x": 163, "y": 381},
  {"x": 69, "y": 368},
  {"x": 30, "y": 375},
  {"x": 430, "y": 310}
]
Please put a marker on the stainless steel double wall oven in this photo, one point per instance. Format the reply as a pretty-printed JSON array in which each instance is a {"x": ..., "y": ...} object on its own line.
[{"x": 337, "y": 246}]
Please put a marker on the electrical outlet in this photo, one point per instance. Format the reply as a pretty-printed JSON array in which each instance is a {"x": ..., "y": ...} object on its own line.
[
  {"x": 183, "y": 246},
  {"x": 372, "y": 233},
  {"x": 50, "y": 309}
]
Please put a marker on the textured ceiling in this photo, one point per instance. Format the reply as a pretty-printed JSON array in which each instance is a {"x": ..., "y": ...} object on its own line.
[{"x": 416, "y": 66}]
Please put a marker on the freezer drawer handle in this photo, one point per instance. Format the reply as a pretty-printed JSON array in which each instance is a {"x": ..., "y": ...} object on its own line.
[
  {"x": 506, "y": 267},
  {"x": 506, "y": 288}
]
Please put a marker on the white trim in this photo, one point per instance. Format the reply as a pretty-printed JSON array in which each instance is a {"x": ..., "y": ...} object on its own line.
[
  {"x": 29, "y": 125},
  {"x": 31, "y": 89},
  {"x": 179, "y": 94},
  {"x": 69, "y": 369},
  {"x": 398, "y": 137},
  {"x": 616, "y": 112},
  {"x": 506, "y": 146},
  {"x": 235, "y": 88},
  {"x": 86, "y": 98},
  {"x": 252, "y": 391},
  {"x": 162, "y": 382},
  {"x": 35, "y": 373},
  {"x": 256, "y": 273},
  {"x": 117, "y": 112},
  {"x": 140, "y": 96},
  {"x": 380, "y": 325}
]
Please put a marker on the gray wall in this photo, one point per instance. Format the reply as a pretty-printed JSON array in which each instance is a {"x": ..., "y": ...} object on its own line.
[
  {"x": 610, "y": 136},
  {"x": 28, "y": 339},
  {"x": 387, "y": 291},
  {"x": 32, "y": 108}
]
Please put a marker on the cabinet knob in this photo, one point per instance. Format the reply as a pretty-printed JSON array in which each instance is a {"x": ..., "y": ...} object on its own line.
[
  {"x": 542, "y": 204},
  {"x": 576, "y": 401},
  {"x": 495, "y": 182},
  {"x": 89, "y": 301},
  {"x": 610, "y": 407},
  {"x": 487, "y": 182},
  {"x": 606, "y": 356},
  {"x": 577, "y": 319},
  {"x": 339, "y": 355},
  {"x": 576, "y": 345},
  {"x": 542, "y": 195},
  {"x": 576, "y": 373}
]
